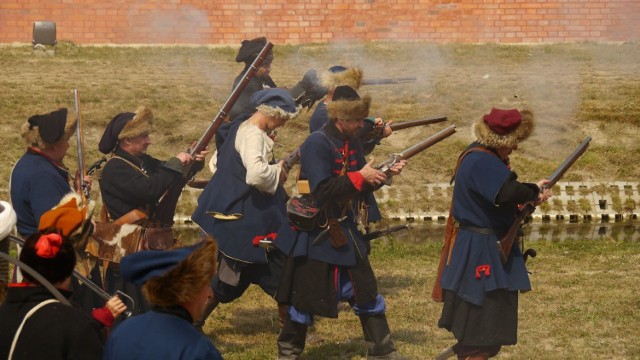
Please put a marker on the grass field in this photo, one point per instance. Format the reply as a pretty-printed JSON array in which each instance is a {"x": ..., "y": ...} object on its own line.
[{"x": 584, "y": 304}]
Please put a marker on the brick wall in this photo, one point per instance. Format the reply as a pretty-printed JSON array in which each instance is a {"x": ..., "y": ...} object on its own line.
[{"x": 304, "y": 21}]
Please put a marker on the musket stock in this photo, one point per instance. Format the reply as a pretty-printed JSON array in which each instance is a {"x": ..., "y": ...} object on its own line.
[
  {"x": 511, "y": 237},
  {"x": 167, "y": 207},
  {"x": 380, "y": 233}
]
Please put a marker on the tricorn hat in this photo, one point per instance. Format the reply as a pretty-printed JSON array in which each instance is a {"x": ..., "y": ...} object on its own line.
[
  {"x": 172, "y": 277},
  {"x": 49, "y": 129},
  {"x": 348, "y": 105},
  {"x": 126, "y": 125},
  {"x": 504, "y": 128},
  {"x": 339, "y": 75},
  {"x": 275, "y": 102}
]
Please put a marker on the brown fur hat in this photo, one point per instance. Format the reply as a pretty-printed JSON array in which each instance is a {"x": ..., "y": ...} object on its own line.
[
  {"x": 504, "y": 128},
  {"x": 340, "y": 75},
  {"x": 181, "y": 283},
  {"x": 42, "y": 131},
  {"x": 348, "y": 105},
  {"x": 141, "y": 124}
]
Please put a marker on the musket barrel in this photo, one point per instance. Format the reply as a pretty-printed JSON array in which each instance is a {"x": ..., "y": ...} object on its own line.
[
  {"x": 428, "y": 142},
  {"x": 231, "y": 100},
  {"x": 566, "y": 164},
  {"x": 412, "y": 123}
]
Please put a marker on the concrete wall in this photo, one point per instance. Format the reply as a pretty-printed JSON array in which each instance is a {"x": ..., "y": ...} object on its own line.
[{"x": 304, "y": 21}]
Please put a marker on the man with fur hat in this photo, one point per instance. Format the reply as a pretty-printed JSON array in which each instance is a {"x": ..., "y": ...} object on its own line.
[
  {"x": 132, "y": 181},
  {"x": 339, "y": 75},
  {"x": 35, "y": 325},
  {"x": 40, "y": 179},
  {"x": 331, "y": 260},
  {"x": 177, "y": 284},
  {"x": 243, "y": 207},
  {"x": 480, "y": 293}
]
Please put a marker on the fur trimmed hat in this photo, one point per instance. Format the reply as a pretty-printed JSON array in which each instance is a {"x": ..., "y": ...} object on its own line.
[
  {"x": 348, "y": 105},
  {"x": 339, "y": 75},
  {"x": 172, "y": 277},
  {"x": 504, "y": 128},
  {"x": 250, "y": 49},
  {"x": 126, "y": 125},
  {"x": 49, "y": 129},
  {"x": 275, "y": 102},
  {"x": 70, "y": 218}
]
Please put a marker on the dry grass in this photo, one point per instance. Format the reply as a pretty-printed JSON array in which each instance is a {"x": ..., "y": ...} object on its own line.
[{"x": 583, "y": 306}]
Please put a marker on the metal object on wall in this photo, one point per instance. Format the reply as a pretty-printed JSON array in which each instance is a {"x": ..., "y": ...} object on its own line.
[{"x": 44, "y": 34}]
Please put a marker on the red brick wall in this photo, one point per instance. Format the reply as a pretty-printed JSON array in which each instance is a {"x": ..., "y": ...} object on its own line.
[{"x": 304, "y": 21}]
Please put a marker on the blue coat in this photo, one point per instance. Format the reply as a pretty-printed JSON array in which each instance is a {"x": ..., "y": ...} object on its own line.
[
  {"x": 159, "y": 334},
  {"x": 37, "y": 185},
  {"x": 321, "y": 161},
  {"x": 261, "y": 214},
  {"x": 478, "y": 182}
]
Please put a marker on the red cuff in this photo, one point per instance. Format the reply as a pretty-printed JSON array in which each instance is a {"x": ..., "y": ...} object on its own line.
[
  {"x": 104, "y": 316},
  {"x": 356, "y": 179}
]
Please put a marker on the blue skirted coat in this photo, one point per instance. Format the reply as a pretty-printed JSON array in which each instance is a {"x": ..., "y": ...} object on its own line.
[
  {"x": 37, "y": 185},
  {"x": 475, "y": 267},
  {"x": 251, "y": 213}
]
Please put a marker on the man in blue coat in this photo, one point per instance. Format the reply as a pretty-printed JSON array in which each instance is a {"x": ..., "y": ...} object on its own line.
[
  {"x": 243, "y": 206},
  {"x": 176, "y": 283},
  {"x": 331, "y": 259},
  {"x": 480, "y": 292},
  {"x": 40, "y": 179}
]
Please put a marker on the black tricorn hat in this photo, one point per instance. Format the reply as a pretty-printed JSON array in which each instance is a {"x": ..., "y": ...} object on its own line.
[{"x": 250, "y": 49}]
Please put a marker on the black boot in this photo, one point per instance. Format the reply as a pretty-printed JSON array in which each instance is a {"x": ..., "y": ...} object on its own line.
[
  {"x": 211, "y": 305},
  {"x": 378, "y": 337},
  {"x": 291, "y": 340}
]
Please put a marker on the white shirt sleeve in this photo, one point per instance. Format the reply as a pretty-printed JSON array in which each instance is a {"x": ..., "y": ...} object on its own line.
[{"x": 254, "y": 147}]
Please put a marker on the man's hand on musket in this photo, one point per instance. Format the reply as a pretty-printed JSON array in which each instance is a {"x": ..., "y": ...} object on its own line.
[
  {"x": 396, "y": 168},
  {"x": 116, "y": 306},
  {"x": 283, "y": 172},
  {"x": 202, "y": 154},
  {"x": 545, "y": 194},
  {"x": 384, "y": 128},
  {"x": 372, "y": 176}
]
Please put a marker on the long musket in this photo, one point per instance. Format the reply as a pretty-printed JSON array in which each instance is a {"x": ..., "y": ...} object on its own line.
[
  {"x": 386, "y": 165},
  {"x": 511, "y": 237},
  {"x": 294, "y": 157},
  {"x": 376, "y": 132},
  {"x": 80, "y": 185},
  {"x": 386, "y": 81},
  {"x": 90, "y": 284},
  {"x": 167, "y": 207},
  {"x": 380, "y": 233}
]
